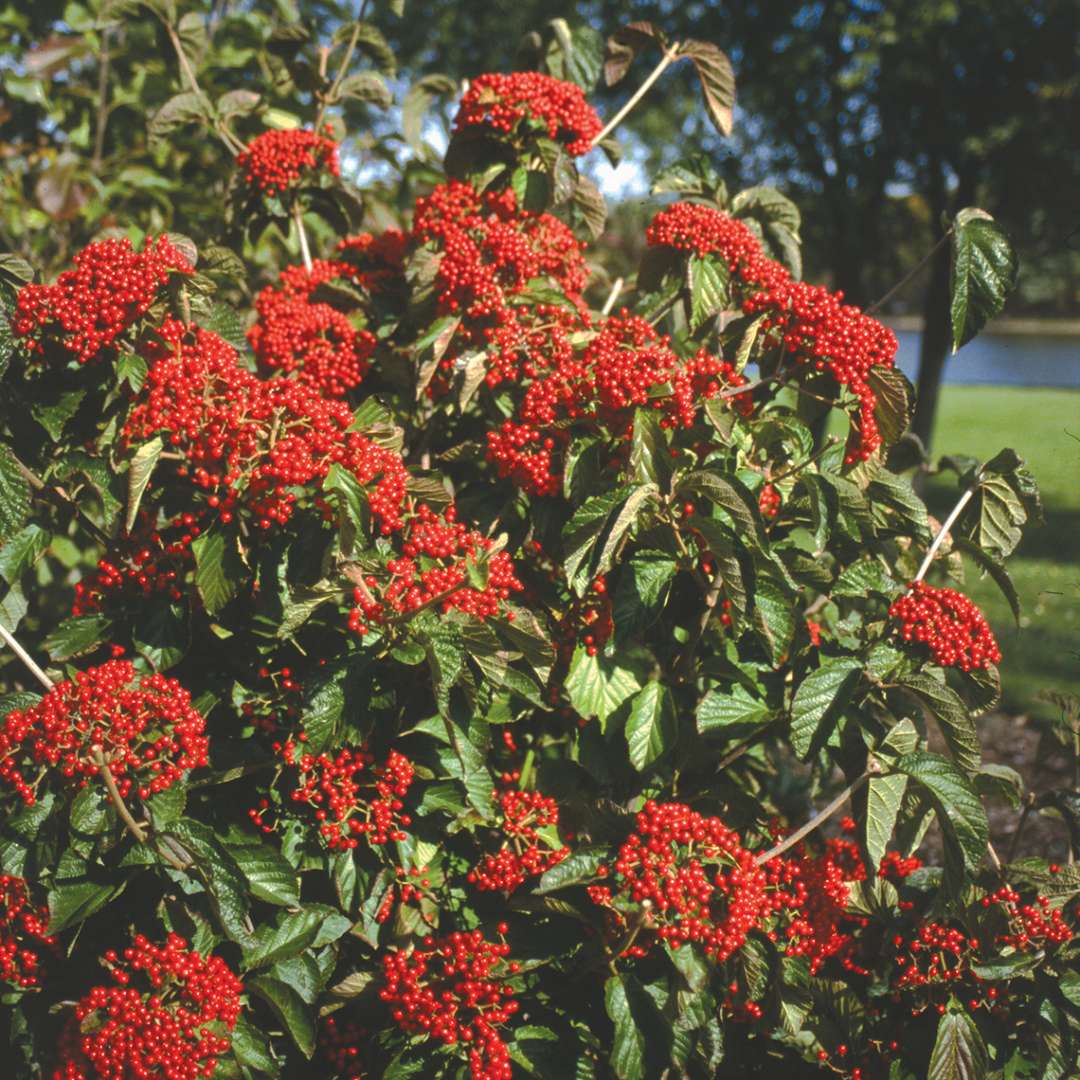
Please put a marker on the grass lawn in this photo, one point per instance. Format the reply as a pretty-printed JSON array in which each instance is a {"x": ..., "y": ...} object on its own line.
[{"x": 1043, "y": 426}]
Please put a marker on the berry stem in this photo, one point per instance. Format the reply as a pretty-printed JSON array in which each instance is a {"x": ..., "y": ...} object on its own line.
[
  {"x": 133, "y": 826},
  {"x": 669, "y": 57},
  {"x": 305, "y": 251},
  {"x": 826, "y": 812},
  {"x": 948, "y": 523},
  {"x": 829, "y": 443},
  {"x": 226, "y": 136},
  {"x": 25, "y": 657},
  {"x": 609, "y": 303},
  {"x": 912, "y": 273},
  {"x": 331, "y": 94}
]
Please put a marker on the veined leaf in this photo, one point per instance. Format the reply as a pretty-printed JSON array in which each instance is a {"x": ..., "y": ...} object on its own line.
[{"x": 984, "y": 269}]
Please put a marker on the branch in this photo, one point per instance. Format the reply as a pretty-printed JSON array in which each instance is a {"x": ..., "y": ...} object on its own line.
[
  {"x": 668, "y": 58},
  {"x": 877, "y": 304},
  {"x": 133, "y": 826},
  {"x": 944, "y": 530},
  {"x": 712, "y": 597},
  {"x": 325, "y": 99},
  {"x": 609, "y": 303},
  {"x": 305, "y": 251},
  {"x": 25, "y": 657},
  {"x": 56, "y": 492},
  {"x": 872, "y": 769}
]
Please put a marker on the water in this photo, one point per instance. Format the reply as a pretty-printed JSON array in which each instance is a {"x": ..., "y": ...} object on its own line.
[{"x": 1003, "y": 360}]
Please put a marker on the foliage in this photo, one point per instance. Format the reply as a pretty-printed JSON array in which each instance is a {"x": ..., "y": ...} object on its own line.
[{"x": 438, "y": 666}]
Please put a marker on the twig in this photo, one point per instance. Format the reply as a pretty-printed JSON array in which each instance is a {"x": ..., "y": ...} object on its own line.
[
  {"x": 668, "y": 58},
  {"x": 609, "y": 303},
  {"x": 816, "y": 606},
  {"x": 25, "y": 657},
  {"x": 102, "y": 118},
  {"x": 305, "y": 251},
  {"x": 872, "y": 769},
  {"x": 325, "y": 99},
  {"x": 877, "y": 304},
  {"x": 830, "y": 442},
  {"x": 133, "y": 826},
  {"x": 55, "y": 491},
  {"x": 943, "y": 531},
  {"x": 711, "y": 599},
  {"x": 737, "y": 752}
]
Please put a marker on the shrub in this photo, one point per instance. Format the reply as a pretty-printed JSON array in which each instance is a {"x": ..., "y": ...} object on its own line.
[{"x": 451, "y": 677}]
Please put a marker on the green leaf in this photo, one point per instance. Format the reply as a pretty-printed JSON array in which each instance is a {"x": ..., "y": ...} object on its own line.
[
  {"x": 139, "y": 473},
  {"x": 717, "y": 79},
  {"x": 77, "y": 635},
  {"x": 576, "y": 54},
  {"x": 576, "y": 869},
  {"x": 652, "y": 727},
  {"x": 184, "y": 108},
  {"x": 326, "y": 700},
  {"x": 597, "y": 685},
  {"x": 78, "y": 890},
  {"x": 589, "y": 207},
  {"x": 994, "y": 568},
  {"x": 894, "y": 404},
  {"x": 959, "y": 1051},
  {"x": 417, "y": 102},
  {"x": 14, "y": 495},
  {"x": 819, "y": 700},
  {"x": 268, "y": 873},
  {"x": 883, "y": 799},
  {"x": 734, "y": 708},
  {"x": 959, "y": 809},
  {"x": 766, "y": 204},
  {"x": 994, "y": 518},
  {"x": 733, "y": 497},
  {"x": 227, "y": 885},
  {"x": 237, "y": 103},
  {"x": 288, "y": 1006},
  {"x": 54, "y": 414},
  {"x": 592, "y": 536},
  {"x": 22, "y": 551},
  {"x": 984, "y": 269},
  {"x": 774, "y": 618},
  {"x": 694, "y": 175},
  {"x": 952, "y": 716},
  {"x": 367, "y": 86},
  {"x": 628, "y": 1047},
  {"x": 650, "y": 456},
  {"x": 251, "y": 1047},
  {"x": 218, "y": 569},
  {"x": 644, "y": 584},
  {"x": 293, "y": 933},
  {"x": 707, "y": 281}
]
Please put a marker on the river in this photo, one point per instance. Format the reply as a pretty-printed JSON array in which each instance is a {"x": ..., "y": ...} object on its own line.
[{"x": 1003, "y": 360}]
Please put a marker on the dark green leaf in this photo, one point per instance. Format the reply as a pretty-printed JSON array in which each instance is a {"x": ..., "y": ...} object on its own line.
[
  {"x": 14, "y": 495},
  {"x": 723, "y": 709},
  {"x": 652, "y": 725},
  {"x": 576, "y": 869},
  {"x": 417, "y": 102},
  {"x": 139, "y": 472},
  {"x": 952, "y": 716},
  {"x": 288, "y": 1006},
  {"x": 268, "y": 873},
  {"x": 883, "y": 799},
  {"x": 218, "y": 569},
  {"x": 959, "y": 1051},
  {"x": 707, "y": 280},
  {"x": 597, "y": 685},
  {"x": 995, "y": 569},
  {"x": 984, "y": 269},
  {"x": 77, "y": 635},
  {"x": 819, "y": 700},
  {"x": 628, "y": 1047}
]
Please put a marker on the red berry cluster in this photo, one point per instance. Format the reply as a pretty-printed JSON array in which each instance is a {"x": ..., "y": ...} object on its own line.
[
  {"x": 524, "y": 853},
  {"x": 24, "y": 933},
  {"x": 769, "y": 500},
  {"x": 948, "y": 624},
  {"x": 374, "y": 262},
  {"x": 275, "y": 160},
  {"x": 161, "y": 1017},
  {"x": 433, "y": 570},
  {"x": 150, "y": 561},
  {"x": 310, "y": 339},
  {"x": 454, "y": 990},
  {"x": 490, "y": 250},
  {"x": 500, "y": 102},
  {"x": 88, "y": 308},
  {"x": 588, "y": 621},
  {"x": 626, "y": 365},
  {"x": 340, "y": 1045},
  {"x": 688, "y": 878},
  {"x": 354, "y": 799},
  {"x": 813, "y": 326},
  {"x": 815, "y": 890},
  {"x": 252, "y": 442},
  {"x": 144, "y": 727}
]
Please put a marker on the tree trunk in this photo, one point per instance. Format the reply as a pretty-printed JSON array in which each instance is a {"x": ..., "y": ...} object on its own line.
[{"x": 934, "y": 347}]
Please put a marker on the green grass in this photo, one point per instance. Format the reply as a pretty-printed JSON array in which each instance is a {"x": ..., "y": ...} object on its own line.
[{"x": 1043, "y": 426}]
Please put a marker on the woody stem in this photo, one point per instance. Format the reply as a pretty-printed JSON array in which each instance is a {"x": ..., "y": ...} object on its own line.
[
  {"x": 669, "y": 57},
  {"x": 25, "y": 657},
  {"x": 943, "y": 532}
]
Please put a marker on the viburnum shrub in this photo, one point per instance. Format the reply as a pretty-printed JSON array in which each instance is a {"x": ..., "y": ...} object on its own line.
[{"x": 431, "y": 658}]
